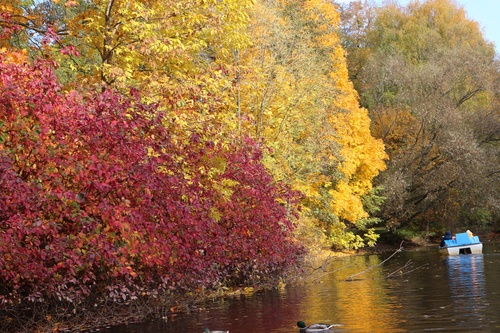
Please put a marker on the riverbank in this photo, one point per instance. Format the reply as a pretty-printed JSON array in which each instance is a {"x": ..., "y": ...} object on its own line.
[
  {"x": 93, "y": 318},
  {"x": 97, "y": 314},
  {"x": 88, "y": 317}
]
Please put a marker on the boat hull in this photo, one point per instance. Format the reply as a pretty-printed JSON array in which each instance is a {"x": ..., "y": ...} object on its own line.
[{"x": 462, "y": 249}]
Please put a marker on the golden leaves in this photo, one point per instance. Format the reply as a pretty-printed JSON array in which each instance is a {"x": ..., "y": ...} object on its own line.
[
  {"x": 271, "y": 69},
  {"x": 301, "y": 100},
  {"x": 17, "y": 57}
]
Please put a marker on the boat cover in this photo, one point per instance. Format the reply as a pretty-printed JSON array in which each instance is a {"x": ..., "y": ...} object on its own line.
[{"x": 462, "y": 239}]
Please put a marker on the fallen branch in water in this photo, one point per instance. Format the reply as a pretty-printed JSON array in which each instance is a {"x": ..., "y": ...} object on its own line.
[
  {"x": 350, "y": 278},
  {"x": 321, "y": 267},
  {"x": 316, "y": 272},
  {"x": 401, "y": 272}
]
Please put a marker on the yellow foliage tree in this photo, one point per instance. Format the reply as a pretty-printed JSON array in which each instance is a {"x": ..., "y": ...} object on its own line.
[
  {"x": 178, "y": 53},
  {"x": 283, "y": 79},
  {"x": 298, "y": 97}
]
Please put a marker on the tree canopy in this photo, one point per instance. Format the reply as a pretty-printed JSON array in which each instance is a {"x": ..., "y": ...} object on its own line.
[
  {"x": 173, "y": 145},
  {"x": 429, "y": 78}
]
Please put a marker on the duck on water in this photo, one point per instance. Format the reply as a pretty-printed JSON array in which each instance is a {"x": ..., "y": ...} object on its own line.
[{"x": 303, "y": 328}]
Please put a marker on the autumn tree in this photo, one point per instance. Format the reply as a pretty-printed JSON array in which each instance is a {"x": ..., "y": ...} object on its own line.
[
  {"x": 296, "y": 92},
  {"x": 101, "y": 204},
  {"x": 288, "y": 89},
  {"x": 427, "y": 78},
  {"x": 177, "y": 53}
]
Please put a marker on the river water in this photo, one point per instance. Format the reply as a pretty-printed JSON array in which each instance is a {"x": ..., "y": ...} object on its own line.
[{"x": 415, "y": 290}]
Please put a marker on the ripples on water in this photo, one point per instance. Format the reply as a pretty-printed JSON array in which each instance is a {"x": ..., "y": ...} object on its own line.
[{"x": 437, "y": 293}]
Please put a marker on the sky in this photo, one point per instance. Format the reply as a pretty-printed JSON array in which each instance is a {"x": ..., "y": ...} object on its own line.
[{"x": 485, "y": 12}]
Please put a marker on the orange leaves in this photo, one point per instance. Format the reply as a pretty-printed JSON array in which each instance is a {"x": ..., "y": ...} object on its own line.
[
  {"x": 396, "y": 127},
  {"x": 16, "y": 57},
  {"x": 362, "y": 159},
  {"x": 71, "y": 3},
  {"x": 358, "y": 145}
]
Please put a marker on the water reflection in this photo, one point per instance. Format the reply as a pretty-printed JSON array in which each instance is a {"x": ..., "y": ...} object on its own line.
[
  {"x": 364, "y": 305},
  {"x": 466, "y": 281},
  {"x": 448, "y": 294}
]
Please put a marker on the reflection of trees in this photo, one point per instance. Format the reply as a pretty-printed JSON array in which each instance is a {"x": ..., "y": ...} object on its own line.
[{"x": 362, "y": 304}]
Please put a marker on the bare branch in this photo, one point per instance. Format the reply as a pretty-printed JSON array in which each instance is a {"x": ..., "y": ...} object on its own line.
[{"x": 350, "y": 278}]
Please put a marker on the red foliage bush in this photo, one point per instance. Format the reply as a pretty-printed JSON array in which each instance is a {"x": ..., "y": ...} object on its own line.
[{"x": 96, "y": 195}]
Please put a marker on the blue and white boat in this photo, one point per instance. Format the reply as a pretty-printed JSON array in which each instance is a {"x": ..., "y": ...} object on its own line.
[{"x": 462, "y": 243}]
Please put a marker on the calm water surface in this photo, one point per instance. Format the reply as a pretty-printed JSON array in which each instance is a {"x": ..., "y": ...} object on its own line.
[{"x": 425, "y": 292}]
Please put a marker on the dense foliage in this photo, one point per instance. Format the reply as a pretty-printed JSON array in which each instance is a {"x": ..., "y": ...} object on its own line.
[
  {"x": 296, "y": 89},
  {"x": 274, "y": 71},
  {"x": 430, "y": 82},
  {"x": 97, "y": 194},
  {"x": 165, "y": 146}
]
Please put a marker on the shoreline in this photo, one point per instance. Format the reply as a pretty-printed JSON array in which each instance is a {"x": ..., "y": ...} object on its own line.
[{"x": 92, "y": 319}]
